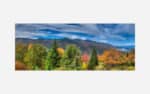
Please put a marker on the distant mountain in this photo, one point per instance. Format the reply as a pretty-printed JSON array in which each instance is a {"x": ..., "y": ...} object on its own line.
[
  {"x": 84, "y": 45},
  {"x": 125, "y": 48}
]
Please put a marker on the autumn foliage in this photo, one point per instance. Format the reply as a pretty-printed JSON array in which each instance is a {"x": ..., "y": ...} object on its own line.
[
  {"x": 60, "y": 51},
  {"x": 85, "y": 58},
  {"x": 20, "y": 66},
  {"x": 112, "y": 56},
  {"x": 39, "y": 57}
]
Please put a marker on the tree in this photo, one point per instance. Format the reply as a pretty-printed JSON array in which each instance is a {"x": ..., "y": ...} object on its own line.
[
  {"x": 21, "y": 49},
  {"x": 20, "y": 66},
  {"x": 60, "y": 51},
  {"x": 112, "y": 57},
  {"x": 93, "y": 60},
  {"x": 35, "y": 56},
  {"x": 71, "y": 58},
  {"x": 53, "y": 58},
  {"x": 85, "y": 58},
  {"x": 130, "y": 57}
]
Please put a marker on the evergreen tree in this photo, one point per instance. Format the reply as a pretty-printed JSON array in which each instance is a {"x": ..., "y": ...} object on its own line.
[
  {"x": 53, "y": 57},
  {"x": 93, "y": 60}
]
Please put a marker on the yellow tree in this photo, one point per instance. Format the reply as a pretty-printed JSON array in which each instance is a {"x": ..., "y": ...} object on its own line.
[
  {"x": 60, "y": 51},
  {"x": 85, "y": 59}
]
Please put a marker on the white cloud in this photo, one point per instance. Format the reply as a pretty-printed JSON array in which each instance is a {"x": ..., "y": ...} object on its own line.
[
  {"x": 27, "y": 34},
  {"x": 84, "y": 28},
  {"x": 99, "y": 33}
]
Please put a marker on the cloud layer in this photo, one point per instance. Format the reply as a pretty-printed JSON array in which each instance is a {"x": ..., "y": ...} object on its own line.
[{"x": 115, "y": 34}]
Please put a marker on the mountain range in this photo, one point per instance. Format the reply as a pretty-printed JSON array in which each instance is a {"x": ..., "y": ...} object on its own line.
[{"x": 84, "y": 45}]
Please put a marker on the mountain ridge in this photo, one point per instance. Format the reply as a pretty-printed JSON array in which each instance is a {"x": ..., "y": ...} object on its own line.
[{"x": 84, "y": 45}]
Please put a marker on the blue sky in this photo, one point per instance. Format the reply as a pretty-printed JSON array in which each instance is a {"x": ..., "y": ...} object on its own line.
[{"x": 115, "y": 34}]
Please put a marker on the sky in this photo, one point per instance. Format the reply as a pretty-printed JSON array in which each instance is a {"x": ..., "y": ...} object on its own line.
[{"x": 114, "y": 34}]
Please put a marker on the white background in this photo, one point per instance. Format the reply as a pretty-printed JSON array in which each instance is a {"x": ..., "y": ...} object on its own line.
[{"x": 74, "y": 82}]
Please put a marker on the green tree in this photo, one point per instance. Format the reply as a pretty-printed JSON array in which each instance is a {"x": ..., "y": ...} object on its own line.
[
  {"x": 35, "y": 56},
  {"x": 53, "y": 58},
  {"x": 71, "y": 58},
  {"x": 93, "y": 60}
]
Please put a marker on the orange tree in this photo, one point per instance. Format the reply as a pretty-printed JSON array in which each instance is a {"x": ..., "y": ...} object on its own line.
[
  {"x": 116, "y": 59},
  {"x": 130, "y": 58},
  {"x": 112, "y": 56}
]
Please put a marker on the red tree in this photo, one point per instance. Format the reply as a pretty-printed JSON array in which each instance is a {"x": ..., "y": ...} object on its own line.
[{"x": 85, "y": 58}]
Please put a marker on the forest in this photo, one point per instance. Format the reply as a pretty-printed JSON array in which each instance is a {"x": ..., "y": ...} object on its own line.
[{"x": 39, "y": 57}]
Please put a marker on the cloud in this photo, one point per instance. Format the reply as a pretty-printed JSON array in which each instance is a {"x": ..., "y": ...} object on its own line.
[{"x": 107, "y": 33}]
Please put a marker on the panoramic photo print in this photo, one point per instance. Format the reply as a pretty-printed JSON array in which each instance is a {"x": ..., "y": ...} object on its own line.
[{"x": 73, "y": 47}]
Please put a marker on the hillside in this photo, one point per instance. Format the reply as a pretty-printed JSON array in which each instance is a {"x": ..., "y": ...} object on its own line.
[{"x": 84, "y": 45}]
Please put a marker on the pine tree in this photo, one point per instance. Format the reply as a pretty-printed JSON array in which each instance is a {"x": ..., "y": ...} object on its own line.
[
  {"x": 93, "y": 60},
  {"x": 53, "y": 57}
]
